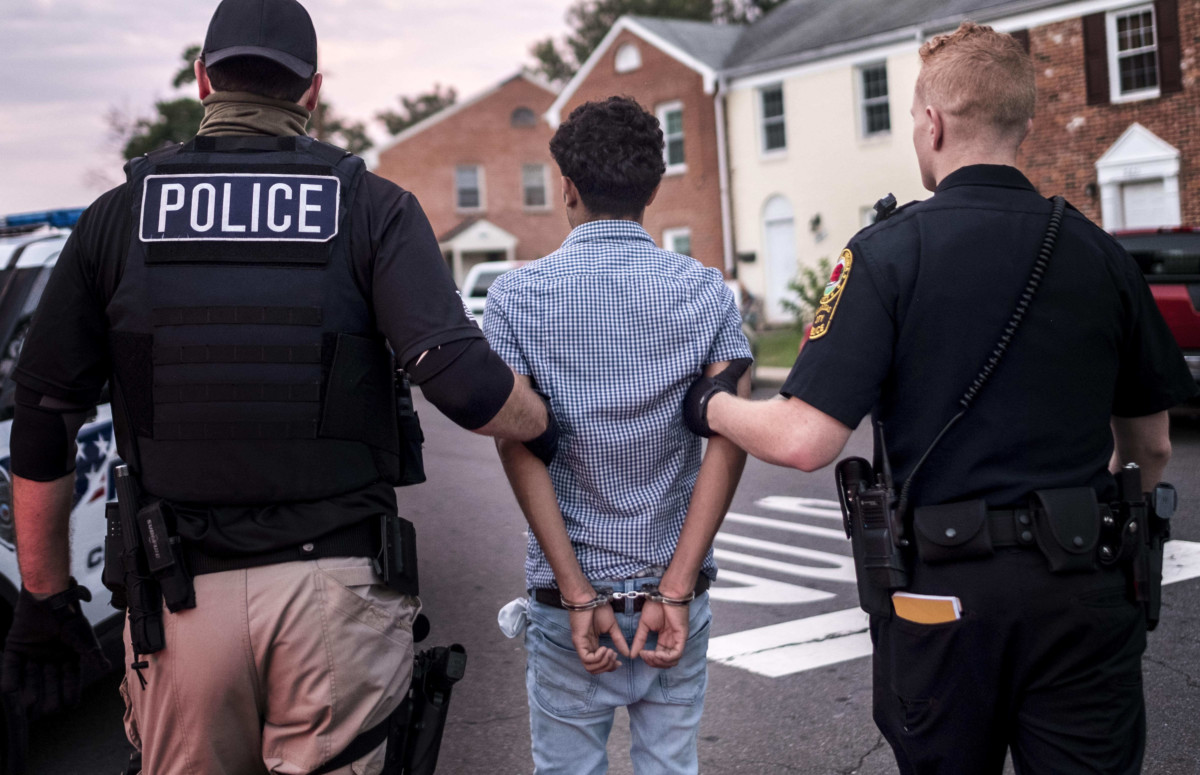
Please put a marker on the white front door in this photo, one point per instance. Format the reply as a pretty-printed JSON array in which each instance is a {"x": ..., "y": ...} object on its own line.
[
  {"x": 779, "y": 232},
  {"x": 1145, "y": 204}
]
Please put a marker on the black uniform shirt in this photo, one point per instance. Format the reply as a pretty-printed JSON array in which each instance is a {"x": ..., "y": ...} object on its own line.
[
  {"x": 396, "y": 263},
  {"x": 922, "y": 305}
]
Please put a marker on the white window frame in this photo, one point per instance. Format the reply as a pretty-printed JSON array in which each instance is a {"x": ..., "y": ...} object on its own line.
[
  {"x": 1114, "y": 70},
  {"x": 781, "y": 119},
  {"x": 628, "y": 58},
  {"x": 479, "y": 178},
  {"x": 670, "y": 235},
  {"x": 545, "y": 168},
  {"x": 863, "y": 103},
  {"x": 661, "y": 112}
]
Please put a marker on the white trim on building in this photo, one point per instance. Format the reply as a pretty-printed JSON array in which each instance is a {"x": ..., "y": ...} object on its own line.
[{"x": 1140, "y": 171}]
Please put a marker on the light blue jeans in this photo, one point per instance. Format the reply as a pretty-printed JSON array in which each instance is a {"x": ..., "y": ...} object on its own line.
[{"x": 571, "y": 711}]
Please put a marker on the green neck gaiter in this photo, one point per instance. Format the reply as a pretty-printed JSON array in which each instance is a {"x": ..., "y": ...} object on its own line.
[{"x": 241, "y": 113}]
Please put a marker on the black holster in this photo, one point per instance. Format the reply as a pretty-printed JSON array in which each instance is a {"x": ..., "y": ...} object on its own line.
[
  {"x": 1145, "y": 526},
  {"x": 418, "y": 724},
  {"x": 144, "y": 563}
]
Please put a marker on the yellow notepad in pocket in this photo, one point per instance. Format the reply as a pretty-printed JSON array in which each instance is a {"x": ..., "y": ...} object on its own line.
[{"x": 926, "y": 609}]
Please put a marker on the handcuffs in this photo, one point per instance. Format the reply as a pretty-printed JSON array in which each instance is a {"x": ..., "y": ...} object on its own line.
[{"x": 650, "y": 592}]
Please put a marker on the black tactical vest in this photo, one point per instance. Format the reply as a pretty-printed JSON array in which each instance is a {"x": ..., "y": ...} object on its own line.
[{"x": 247, "y": 365}]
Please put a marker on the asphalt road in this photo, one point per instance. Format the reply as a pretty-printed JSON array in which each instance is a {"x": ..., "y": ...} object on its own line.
[{"x": 791, "y": 699}]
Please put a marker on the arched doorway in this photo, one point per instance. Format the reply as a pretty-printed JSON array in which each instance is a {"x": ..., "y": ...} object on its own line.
[{"x": 779, "y": 245}]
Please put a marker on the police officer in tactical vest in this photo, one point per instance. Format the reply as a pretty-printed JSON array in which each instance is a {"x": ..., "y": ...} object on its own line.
[
  {"x": 246, "y": 296},
  {"x": 1002, "y": 344}
]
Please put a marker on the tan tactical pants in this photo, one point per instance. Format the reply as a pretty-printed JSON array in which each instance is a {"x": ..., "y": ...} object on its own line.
[{"x": 276, "y": 670}]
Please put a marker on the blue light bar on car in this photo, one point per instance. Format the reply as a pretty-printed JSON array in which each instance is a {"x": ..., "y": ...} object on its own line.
[{"x": 63, "y": 219}]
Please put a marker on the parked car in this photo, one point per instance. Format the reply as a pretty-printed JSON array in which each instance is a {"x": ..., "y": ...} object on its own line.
[
  {"x": 29, "y": 248},
  {"x": 479, "y": 278},
  {"x": 1170, "y": 261}
]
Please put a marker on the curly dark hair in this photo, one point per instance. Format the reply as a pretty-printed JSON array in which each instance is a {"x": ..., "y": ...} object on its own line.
[{"x": 613, "y": 152}]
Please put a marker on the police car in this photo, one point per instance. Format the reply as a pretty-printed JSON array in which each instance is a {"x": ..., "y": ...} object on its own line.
[
  {"x": 1170, "y": 260},
  {"x": 29, "y": 247}
]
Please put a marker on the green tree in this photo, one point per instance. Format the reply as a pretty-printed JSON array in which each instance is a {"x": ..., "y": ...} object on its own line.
[
  {"x": 187, "y": 73},
  {"x": 330, "y": 127},
  {"x": 809, "y": 287},
  {"x": 590, "y": 21},
  {"x": 743, "y": 11},
  {"x": 414, "y": 110},
  {"x": 176, "y": 121}
]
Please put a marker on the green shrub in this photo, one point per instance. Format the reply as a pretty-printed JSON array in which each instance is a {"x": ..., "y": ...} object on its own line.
[{"x": 809, "y": 287}]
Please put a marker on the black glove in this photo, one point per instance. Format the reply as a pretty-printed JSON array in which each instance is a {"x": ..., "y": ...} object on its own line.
[
  {"x": 546, "y": 445},
  {"x": 44, "y": 647},
  {"x": 695, "y": 403}
]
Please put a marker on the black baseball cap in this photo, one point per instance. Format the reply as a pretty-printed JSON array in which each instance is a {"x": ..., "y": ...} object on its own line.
[{"x": 279, "y": 30}]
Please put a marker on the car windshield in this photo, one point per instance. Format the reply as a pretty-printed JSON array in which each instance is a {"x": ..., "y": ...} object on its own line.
[
  {"x": 1168, "y": 257},
  {"x": 484, "y": 281}
]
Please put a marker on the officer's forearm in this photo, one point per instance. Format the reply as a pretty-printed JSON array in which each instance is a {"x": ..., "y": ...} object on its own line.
[
  {"x": 523, "y": 416},
  {"x": 1145, "y": 441},
  {"x": 535, "y": 494},
  {"x": 785, "y": 432},
  {"x": 42, "y": 513}
]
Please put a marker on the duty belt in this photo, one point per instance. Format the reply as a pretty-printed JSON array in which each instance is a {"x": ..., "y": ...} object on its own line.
[
  {"x": 551, "y": 597},
  {"x": 361, "y": 539},
  {"x": 1014, "y": 527}
]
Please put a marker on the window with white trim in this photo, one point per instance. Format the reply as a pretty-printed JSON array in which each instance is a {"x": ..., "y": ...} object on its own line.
[
  {"x": 670, "y": 117},
  {"x": 468, "y": 187},
  {"x": 874, "y": 108},
  {"x": 1133, "y": 53},
  {"x": 533, "y": 186},
  {"x": 628, "y": 58},
  {"x": 774, "y": 134},
  {"x": 678, "y": 240}
]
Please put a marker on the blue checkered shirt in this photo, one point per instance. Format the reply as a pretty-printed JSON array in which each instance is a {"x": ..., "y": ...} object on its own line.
[{"x": 614, "y": 330}]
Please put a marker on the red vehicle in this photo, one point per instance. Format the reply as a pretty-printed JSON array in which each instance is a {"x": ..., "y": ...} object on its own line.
[{"x": 1170, "y": 260}]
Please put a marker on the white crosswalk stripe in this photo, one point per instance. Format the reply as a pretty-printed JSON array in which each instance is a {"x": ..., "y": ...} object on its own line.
[{"x": 824, "y": 639}]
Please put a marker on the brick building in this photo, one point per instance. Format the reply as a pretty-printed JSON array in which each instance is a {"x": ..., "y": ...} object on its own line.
[
  {"x": 482, "y": 171},
  {"x": 671, "y": 68},
  {"x": 1118, "y": 124}
]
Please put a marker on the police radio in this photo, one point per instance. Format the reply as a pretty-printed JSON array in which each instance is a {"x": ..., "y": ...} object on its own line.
[{"x": 875, "y": 526}]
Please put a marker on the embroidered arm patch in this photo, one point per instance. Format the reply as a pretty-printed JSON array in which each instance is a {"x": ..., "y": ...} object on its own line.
[{"x": 833, "y": 294}]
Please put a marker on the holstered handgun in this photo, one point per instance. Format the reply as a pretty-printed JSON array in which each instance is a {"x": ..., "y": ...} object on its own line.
[
  {"x": 874, "y": 526},
  {"x": 143, "y": 596},
  {"x": 1145, "y": 527},
  {"x": 418, "y": 724}
]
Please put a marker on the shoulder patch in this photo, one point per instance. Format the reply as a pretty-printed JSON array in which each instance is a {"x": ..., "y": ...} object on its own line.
[{"x": 833, "y": 294}]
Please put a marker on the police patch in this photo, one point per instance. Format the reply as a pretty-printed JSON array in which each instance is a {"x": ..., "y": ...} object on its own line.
[
  {"x": 240, "y": 207},
  {"x": 833, "y": 294}
]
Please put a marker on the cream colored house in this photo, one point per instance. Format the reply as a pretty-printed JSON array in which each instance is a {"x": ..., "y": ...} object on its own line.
[
  {"x": 809, "y": 155},
  {"x": 817, "y": 99}
]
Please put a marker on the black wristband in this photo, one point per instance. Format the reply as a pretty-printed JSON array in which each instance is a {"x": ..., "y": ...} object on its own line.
[
  {"x": 695, "y": 403},
  {"x": 545, "y": 445}
]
